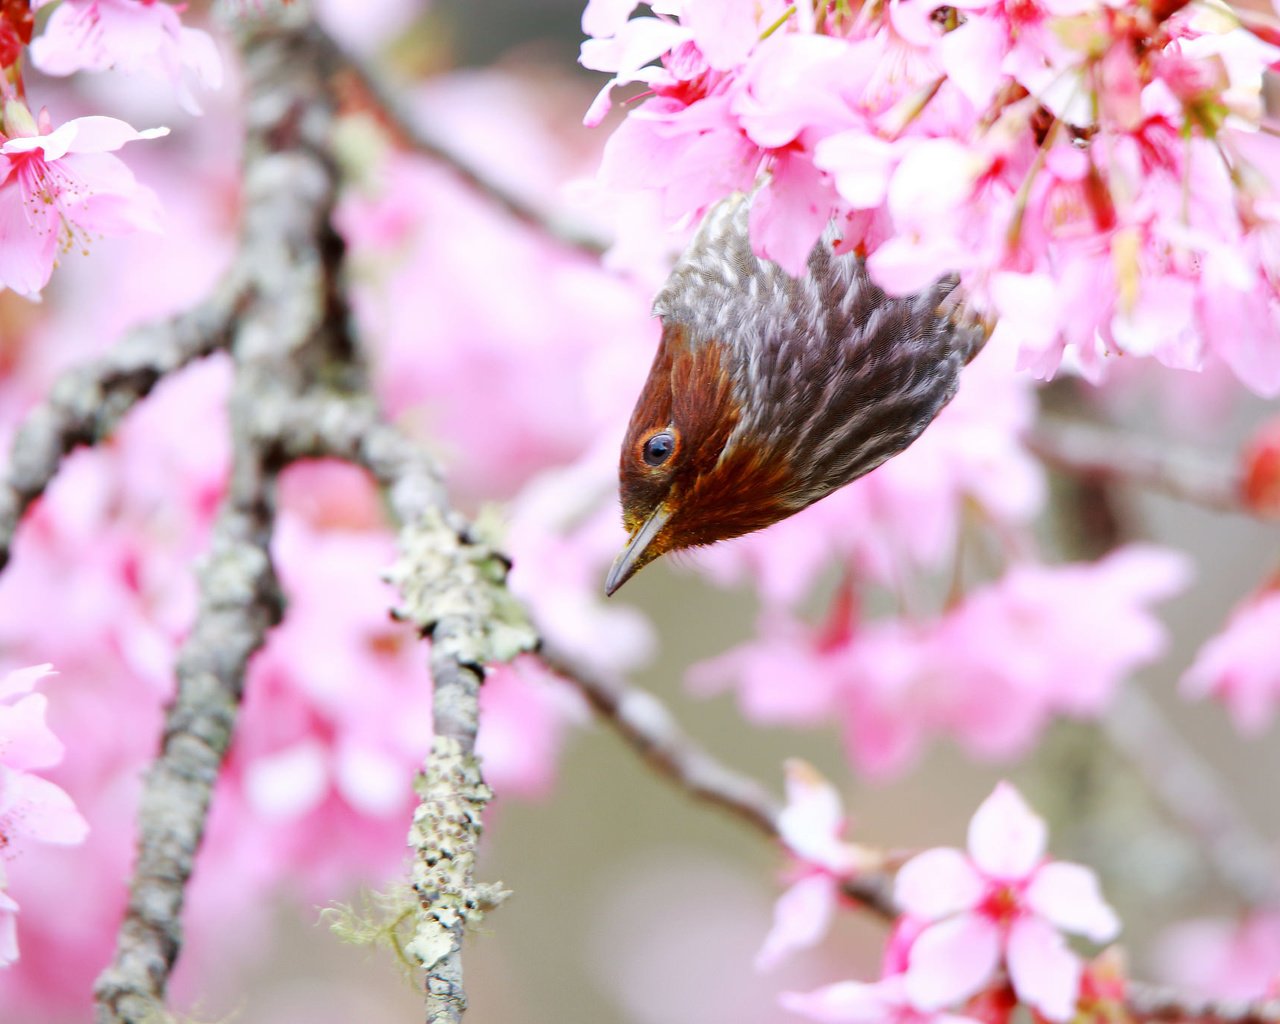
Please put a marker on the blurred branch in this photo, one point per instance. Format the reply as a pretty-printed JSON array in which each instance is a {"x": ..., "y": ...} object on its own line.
[
  {"x": 1189, "y": 789},
  {"x": 412, "y": 134},
  {"x": 86, "y": 402},
  {"x": 1156, "y": 1003},
  {"x": 652, "y": 731},
  {"x": 1104, "y": 454}
]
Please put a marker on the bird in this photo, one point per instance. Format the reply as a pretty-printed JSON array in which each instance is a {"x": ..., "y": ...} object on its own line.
[{"x": 768, "y": 391}]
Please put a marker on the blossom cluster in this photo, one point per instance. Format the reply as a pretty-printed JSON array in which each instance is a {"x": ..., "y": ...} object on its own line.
[
  {"x": 1094, "y": 170},
  {"x": 32, "y": 809},
  {"x": 991, "y": 672},
  {"x": 969, "y": 919},
  {"x": 60, "y": 185}
]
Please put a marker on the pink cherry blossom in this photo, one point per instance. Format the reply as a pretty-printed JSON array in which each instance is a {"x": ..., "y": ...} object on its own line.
[
  {"x": 1003, "y": 901},
  {"x": 992, "y": 670},
  {"x": 812, "y": 826},
  {"x": 1131, "y": 187},
  {"x": 853, "y": 1002},
  {"x": 61, "y": 186},
  {"x": 132, "y": 36},
  {"x": 1238, "y": 665},
  {"x": 32, "y": 809}
]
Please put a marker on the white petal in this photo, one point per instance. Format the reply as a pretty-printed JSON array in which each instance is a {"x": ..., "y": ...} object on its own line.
[
  {"x": 937, "y": 883},
  {"x": 801, "y": 917},
  {"x": 846, "y": 1002},
  {"x": 1044, "y": 972},
  {"x": 1006, "y": 838},
  {"x": 1067, "y": 895},
  {"x": 951, "y": 961}
]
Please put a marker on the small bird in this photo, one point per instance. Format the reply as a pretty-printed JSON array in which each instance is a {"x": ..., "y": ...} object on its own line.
[{"x": 768, "y": 391}]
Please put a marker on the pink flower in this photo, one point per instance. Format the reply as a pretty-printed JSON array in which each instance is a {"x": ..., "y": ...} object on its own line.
[
  {"x": 811, "y": 825},
  {"x": 31, "y": 808},
  {"x": 1239, "y": 666},
  {"x": 1131, "y": 186},
  {"x": 853, "y": 1002},
  {"x": 60, "y": 187},
  {"x": 130, "y": 35},
  {"x": 1002, "y": 901}
]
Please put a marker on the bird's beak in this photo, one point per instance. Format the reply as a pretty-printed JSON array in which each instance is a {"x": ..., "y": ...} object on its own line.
[{"x": 637, "y": 554}]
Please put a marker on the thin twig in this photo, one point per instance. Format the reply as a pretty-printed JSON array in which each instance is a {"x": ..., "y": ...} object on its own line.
[
  {"x": 412, "y": 134},
  {"x": 87, "y": 402},
  {"x": 1104, "y": 454},
  {"x": 1157, "y": 1003},
  {"x": 652, "y": 731},
  {"x": 1188, "y": 788}
]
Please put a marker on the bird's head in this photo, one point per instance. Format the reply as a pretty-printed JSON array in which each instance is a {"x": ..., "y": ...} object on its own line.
[
  {"x": 770, "y": 391},
  {"x": 691, "y": 471}
]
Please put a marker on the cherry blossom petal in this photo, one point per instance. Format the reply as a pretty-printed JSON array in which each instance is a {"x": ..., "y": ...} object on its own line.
[
  {"x": 1067, "y": 895},
  {"x": 94, "y": 134},
  {"x": 952, "y": 960},
  {"x": 22, "y": 680},
  {"x": 813, "y": 815},
  {"x": 722, "y": 30},
  {"x": 1006, "y": 838},
  {"x": 801, "y": 917},
  {"x": 26, "y": 742},
  {"x": 936, "y": 883},
  {"x": 8, "y": 929},
  {"x": 787, "y": 217},
  {"x": 859, "y": 164},
  {"x": 846, "y": 1002},
  {"x": 34, "y": 808},
  {"x": 1044, "y": 972}
]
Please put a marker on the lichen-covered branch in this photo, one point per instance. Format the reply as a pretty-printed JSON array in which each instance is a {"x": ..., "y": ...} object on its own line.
[
  {"x": 283, "y": 335},
  {"x": 453, "y": 588},
  {"x": 86, "y": 402},
  {"x": 452, "y": 582},
  {"x": 239, "y": 602}
]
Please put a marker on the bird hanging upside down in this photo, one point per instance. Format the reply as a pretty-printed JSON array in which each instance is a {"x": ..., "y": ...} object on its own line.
[{"x": 768, "y": 392}]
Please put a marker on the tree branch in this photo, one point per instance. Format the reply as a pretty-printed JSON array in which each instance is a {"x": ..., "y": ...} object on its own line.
[
  {"x": 1156, "y": 1003},
  {"x": 652, "y": 732},
  {"x": 86, "y": 402},
  {"x": 411, "y": 134},
  {"x": 280, "y": 341},
  {"x": 1188, "y": 788},
  {"x": 1103, "y": 454}
]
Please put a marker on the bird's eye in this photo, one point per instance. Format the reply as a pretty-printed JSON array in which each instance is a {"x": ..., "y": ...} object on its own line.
[{"x": 659, "y": 448}]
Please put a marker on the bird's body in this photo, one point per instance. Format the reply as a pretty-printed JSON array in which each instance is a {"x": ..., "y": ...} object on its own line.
[{"x": 768, "y": 391}]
